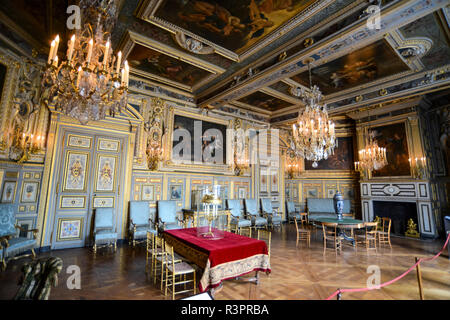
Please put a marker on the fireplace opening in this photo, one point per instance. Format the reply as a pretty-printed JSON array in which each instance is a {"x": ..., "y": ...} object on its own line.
[{"x": 399, "y": 212}]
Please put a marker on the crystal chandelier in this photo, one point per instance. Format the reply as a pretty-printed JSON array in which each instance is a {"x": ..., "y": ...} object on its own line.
[
  {"x": 371, "y": 157},
  {"x": 91, "y": 83},
  {"x": 314, "y": 135}
]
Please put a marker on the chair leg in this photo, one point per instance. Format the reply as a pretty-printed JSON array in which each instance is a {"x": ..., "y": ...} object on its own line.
[
  {"x": 95, "y": 248},
  {"x": 173, "y": 286},
  {"x": 167, "y": 282},
  {"x": 33, "y": 253},
  {"x": 195, "y": 284}
]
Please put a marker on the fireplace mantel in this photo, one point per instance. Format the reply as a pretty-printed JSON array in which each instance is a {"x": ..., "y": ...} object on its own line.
[{"x": 417, "y": 191}]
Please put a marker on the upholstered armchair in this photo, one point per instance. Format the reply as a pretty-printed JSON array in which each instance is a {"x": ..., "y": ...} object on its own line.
[
  {"x": 252, "y": 211},
  {"x": 238, "y": 219},
  {"x": 292, "y": 213},
  {"x": 13, "y": 246},
  {"x": 167, "y": 215},
  {"x": 104, "y": 231},
  {"x": 273, "y": 217},
  {"x": 141, "y": 221}
]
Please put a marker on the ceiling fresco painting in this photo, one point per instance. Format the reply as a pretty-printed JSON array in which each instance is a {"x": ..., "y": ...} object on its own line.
[
  {"x": 362, "y": 66},
  {"x": 154, "y": 62},
  {"x": 233, "y": 24},
  {"x": 264, "y": 101}
]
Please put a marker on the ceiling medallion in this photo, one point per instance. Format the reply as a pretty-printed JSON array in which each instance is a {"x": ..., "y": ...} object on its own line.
[
  {"x": 314, "y": 135},
  {"x": 91, "y": 83}
]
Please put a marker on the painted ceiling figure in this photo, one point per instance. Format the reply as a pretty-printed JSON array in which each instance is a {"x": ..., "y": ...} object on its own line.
[{"x": 258, "y": 21}]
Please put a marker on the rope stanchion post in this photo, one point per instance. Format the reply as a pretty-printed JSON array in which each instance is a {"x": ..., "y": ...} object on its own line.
[
  {"x": 339, "y": 295},
  {"x": 419, "y": 279}
]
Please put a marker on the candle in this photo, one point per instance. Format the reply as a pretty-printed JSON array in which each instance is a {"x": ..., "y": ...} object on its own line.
[
  {"x": 123, "y": 76},
  {"x": 105, "y": 60},
  {"x": 56, "y": 47},
  {"x": 89, "y": 55},
  {"x": 50, "y": 55},
  {"x": 119, "y": 58},
  {"x": 127, "y": 72},
  {"x": 79, "y": 76},
  {"x": 71, "y": 46},
  {"x": 55, "y": 61}
]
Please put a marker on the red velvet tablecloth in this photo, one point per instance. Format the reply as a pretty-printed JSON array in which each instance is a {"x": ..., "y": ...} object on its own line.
[{"x": 229, "y": 257}]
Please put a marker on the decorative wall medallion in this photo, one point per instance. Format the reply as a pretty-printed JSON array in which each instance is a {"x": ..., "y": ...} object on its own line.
[
  {"x": 391, "y": 190},
  {"x": 108, "y": 145},
  {"x": 75, "y": 171},
  {"x": 72, "y": 202},
  {"x": 191, "y": 44},
  {"x": 9, "y": 191},
  {"x": 70, "y": 229},
  {"x": 148, "y": 192},
  {"x": 79, "y": 141},
  {"x": 30, "y": 192},
  {"x": 103, "y": 202},
  {"x": 106, "y": 170}
]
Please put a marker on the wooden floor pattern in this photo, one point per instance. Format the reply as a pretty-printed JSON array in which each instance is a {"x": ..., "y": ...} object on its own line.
[{"x": 298, "y": 273}]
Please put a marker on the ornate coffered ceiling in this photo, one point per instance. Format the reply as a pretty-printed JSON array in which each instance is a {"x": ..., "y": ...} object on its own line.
[{"x": 243, "y": 56}]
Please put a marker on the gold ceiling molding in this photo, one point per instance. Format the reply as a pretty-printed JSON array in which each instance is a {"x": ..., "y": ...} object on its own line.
[
  {"x": 132, "y": 38},
  {"x": 147, "y": 9}
]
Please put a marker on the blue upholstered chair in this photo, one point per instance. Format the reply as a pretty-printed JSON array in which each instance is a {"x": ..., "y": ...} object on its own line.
[
  {"x": 141, "y": 221},
  {"x": 13, "y": 246},
  {"x": 238, "y": 219},
  {"x": 292, "y": 212},
  {"x": 252, "y": 211},
  {"x": 167, "y": 215},
  {"x": 273, "y": 217},
  {"x": 104, "y": 231}
]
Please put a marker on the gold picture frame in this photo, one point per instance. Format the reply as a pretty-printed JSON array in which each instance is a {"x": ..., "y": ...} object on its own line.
[
  {"x": 30, "y": 191},
  {"x": 78, "y": 170},
  {"x": 64, "y": 223}
]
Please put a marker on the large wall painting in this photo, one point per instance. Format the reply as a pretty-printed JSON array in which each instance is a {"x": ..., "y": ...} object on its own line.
[
  {"x": 393, "y": 138},
  {"x": 233, "y": 24},
  {"x": 342, "y": 159},
  {"x": 164, "y": 66},
  {"x": 376, "y": 61},
  {"x": 210, "y": 140}
]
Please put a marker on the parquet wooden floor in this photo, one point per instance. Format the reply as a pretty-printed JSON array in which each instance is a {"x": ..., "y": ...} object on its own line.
[{"x": 298, "y": 273}]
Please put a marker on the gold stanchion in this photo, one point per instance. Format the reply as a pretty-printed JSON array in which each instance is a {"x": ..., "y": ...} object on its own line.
[{"x": 419, "y": 279}]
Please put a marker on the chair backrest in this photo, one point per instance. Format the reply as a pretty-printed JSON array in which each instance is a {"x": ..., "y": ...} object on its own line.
[
  {"x": 103, "y": 218},
  {"x": 140, "y": 212},
  {"x": 251, "y": 206},
  {"x": 234, "y": 205},
  {"x": 7, "y": 220},
  {"x": 329, "y": 229},
  {"x": 371, "y": 227},
  {"x": 386, "y": 224},
  {"x": 297, "y": 227},
  {"x": 290, "y": 207},
  {"x": 266, "y": 205},
  {"x": 266, "y": 236},
  {"x": 167, "y": 211}
]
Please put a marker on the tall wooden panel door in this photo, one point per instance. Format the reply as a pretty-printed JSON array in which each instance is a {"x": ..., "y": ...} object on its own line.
[{"x": 90, "y": 175}]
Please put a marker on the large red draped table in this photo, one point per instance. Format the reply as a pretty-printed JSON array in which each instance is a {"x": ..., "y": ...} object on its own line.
[{"x": 221, "y": 259}]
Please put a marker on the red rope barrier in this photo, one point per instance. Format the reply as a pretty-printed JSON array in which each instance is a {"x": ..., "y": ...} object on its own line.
[{"x": 393, "y": 280}]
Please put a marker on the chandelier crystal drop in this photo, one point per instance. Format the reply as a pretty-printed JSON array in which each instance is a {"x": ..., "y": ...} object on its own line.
[
  {"x": 314, "y": 134},
  {"x": 91, "y": 82}
]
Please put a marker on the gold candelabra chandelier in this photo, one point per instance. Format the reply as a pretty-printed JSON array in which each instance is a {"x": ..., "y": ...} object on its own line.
[
  {"x": 314, "y": 134},
  {"x": 371, "y": 157},
  {"x": 92, "y": 82}
]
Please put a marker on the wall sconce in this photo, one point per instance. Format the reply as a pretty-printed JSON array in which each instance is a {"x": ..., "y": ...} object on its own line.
[
  {"x": 21, "y": 145},
  {"x": 241, "y": 164},
  {"x": 291, "y": 170},
  {"x": 154, "y": 156},
  {"x": 418, "y": 168}
]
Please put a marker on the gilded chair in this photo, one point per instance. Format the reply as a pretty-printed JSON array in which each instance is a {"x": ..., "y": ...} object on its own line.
[
  {"x": 179, "y": 270},
  {"x": 252, "y": 212},
  {"x": 238, "y": 220},
  {"x": 38, "y": 277},
  {"x": 330, "y": 234},
  {"x": 291, "y": 211},
  {"x": 369, "y": 238},
  {"x": 167, "y": 216},
  {"x": 141, "y": 221},
  {"x": 160, "y": 259},
  {"x": 105, "y": 234},
  {"x": 266, "y": 236},
  {"x": 384, "y": 235},
  {"x": 273, "y": 217},
  {"x": 303, "y": 233},
  {"x": 14, "y": 247}
]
